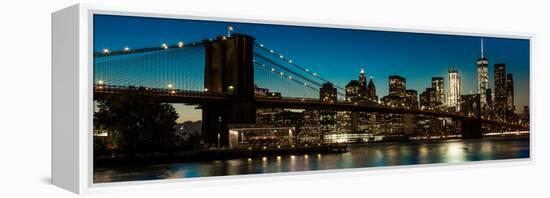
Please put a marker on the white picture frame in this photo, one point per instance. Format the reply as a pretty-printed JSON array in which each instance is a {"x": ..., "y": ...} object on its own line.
[{"x": 72, "y": 102}]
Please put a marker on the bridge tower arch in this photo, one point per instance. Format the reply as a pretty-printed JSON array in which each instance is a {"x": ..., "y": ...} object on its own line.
[{"x": 229, "y": 71}]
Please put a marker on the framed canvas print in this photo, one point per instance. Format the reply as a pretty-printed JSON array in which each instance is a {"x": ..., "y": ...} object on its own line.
[{"x": 142, "y": 96}]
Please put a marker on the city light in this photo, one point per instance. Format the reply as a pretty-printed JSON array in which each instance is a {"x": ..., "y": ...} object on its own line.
[
  {"x": 126, "y": 49},
  {"x": 180, "y": 44},
  {"x": 205, "y": 89},
  {"x": 230, "y": 87},
  {"x": 164, "y": 46},
  {"x": 106, "y": 51},
  {"x": 170, "y": 85},
  {"x": 100, "y": 82}
]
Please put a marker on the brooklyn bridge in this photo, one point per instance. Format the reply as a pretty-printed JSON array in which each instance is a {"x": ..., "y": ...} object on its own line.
[{"x": 221, "y": 76}]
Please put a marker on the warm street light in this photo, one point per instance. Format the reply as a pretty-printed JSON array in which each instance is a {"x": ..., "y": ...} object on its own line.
[
  {"x": 205, "y": 89},
  {"x": 230, "y": 87}
]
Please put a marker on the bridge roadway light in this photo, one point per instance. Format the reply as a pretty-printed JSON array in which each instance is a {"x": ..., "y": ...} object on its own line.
[
  {"x": 164, "y": 46},
  {"x": 180, "y": 44},
  {"x": 106, "y": 51},
  {"x": 126, "y": 49}
]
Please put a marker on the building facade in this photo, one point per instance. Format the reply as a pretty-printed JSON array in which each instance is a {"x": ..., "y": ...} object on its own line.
[{"x": 453, "y": 95}]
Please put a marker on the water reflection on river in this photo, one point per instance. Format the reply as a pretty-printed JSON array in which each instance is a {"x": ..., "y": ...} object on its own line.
[{"x": 357, "y": 156}]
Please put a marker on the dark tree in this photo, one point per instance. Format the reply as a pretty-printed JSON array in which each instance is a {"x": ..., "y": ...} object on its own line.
[{"x": 137, "y": 121}]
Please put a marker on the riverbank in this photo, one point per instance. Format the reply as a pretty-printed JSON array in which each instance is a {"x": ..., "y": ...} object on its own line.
[{"x": 216, "y": 154}]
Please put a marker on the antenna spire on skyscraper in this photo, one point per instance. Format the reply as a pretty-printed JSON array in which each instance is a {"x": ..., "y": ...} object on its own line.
[{"x": 482, "y": 56}]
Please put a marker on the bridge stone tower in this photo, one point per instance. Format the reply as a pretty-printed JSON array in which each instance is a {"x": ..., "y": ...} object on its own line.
[
  {"x": 471, "y": 127},
  {"x": 229, "y": 70}
]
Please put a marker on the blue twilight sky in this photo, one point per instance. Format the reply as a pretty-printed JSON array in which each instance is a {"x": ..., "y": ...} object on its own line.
[{"x": 339, "y": 54}]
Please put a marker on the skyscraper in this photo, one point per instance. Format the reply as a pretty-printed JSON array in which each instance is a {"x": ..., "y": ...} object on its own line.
[
  {"x": 363, "y": 80},
  {"x": 327, "y": 118},
  {"x": 397, "y": 86},
  {"x": 352, "y": 91},
  {"x": 453, "y": 96},
  {"x": 510, "y": 93},
  {"x": 482, "y": 76},
  {"x": 501, "y": 96},
  {"x": 327, "y": 93},
  {"x": 371, "y": 91},
  {"x": 438, "y": 85},
  {"x": 412, "y": 99}
]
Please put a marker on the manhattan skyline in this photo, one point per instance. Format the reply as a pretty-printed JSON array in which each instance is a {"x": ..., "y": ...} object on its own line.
[{"x": 339, "y": 54}]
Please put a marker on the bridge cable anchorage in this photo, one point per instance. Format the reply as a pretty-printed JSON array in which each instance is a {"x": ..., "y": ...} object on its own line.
[
  {"x": 289, "y": 61},
  {"x": 127, "y": 50},
  {"x": 284, "y": 76}
]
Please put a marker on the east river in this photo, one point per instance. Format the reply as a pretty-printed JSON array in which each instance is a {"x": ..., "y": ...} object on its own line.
[{"x": 371, "y": 155}]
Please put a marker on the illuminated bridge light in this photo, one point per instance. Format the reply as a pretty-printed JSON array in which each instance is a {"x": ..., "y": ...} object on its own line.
[
  {"x": 281, "y": 56},
  {"x": 290, "y": 77},
  {"x": 282, "y": 73},
  {"x": 305, "y": 84},
  {"x": 254, "y": 60},
  {"x": 307, "y": 69},
  {"x": 271, "y": 51},
  {"x": 272, "y": 69},
  {"x": 290, "y": 61},
  {"x": 126, "y": 49},
  {"x": 106, "y": 51},
  {"x": 261, "y": 45},
  {"x": 180, "y": 44},
  {"x": 315, "y": 74},
  {"x": 164, "y": 46}
]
